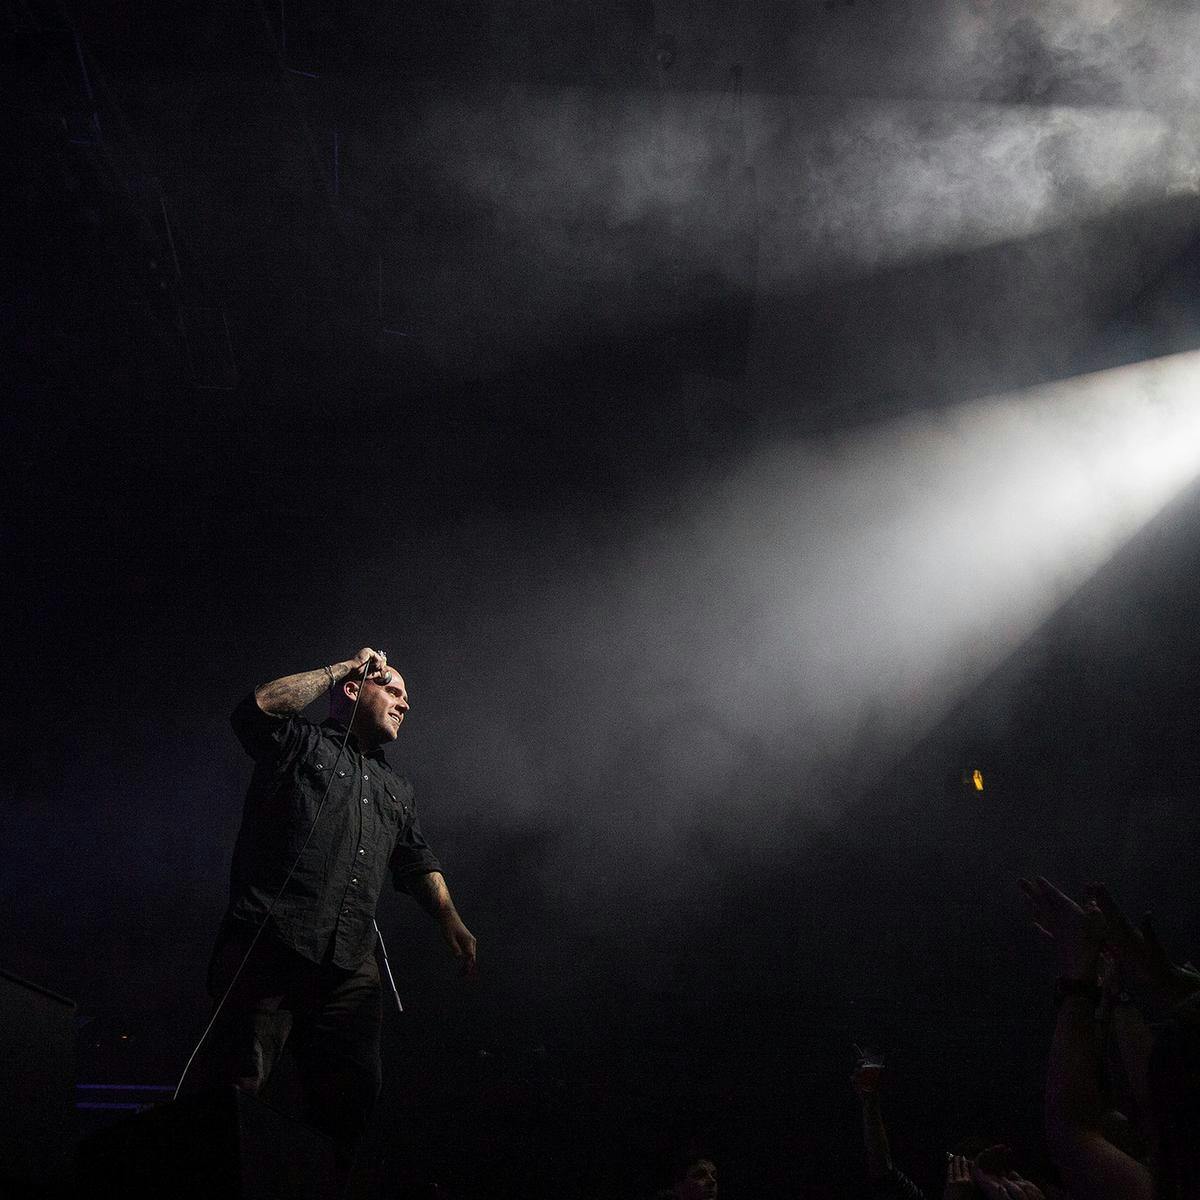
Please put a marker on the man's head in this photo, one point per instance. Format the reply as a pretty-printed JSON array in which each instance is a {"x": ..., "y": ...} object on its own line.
[{"x": 381, "y": 706}]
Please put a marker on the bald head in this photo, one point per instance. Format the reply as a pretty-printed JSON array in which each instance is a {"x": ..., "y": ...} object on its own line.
[{"x": 382, "y": 704}]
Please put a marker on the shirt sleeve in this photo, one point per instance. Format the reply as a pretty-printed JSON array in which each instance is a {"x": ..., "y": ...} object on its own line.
[
  {"x": 412, "y": 855},
  {"x": 263, "y": 736}
]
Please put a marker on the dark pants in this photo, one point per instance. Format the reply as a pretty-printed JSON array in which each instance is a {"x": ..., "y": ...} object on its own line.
[{"x": 328, "y": 1018}]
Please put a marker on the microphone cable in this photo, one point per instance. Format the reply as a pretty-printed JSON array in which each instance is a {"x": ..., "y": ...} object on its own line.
[{"x": 282, "y": 888}]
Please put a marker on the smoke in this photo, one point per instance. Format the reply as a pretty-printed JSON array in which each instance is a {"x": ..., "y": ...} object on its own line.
[
  {"x": 841, "y": 186},
  {"x": 622, "y": 208},
  {"x": 678, "y": 693},
  {"x": 879, "y": 185},
  {"x": 1118, "y": 53}
]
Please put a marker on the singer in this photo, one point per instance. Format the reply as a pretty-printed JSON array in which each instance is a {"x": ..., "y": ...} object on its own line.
[{"x": 312, "y": 980}]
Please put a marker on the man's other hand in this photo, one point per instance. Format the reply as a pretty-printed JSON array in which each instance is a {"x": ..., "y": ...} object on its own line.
[{"x": 461, "y": 942}]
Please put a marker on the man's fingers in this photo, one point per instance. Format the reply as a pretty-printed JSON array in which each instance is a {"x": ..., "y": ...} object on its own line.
[
  {"x": 464, "y": 951},
  {"x": 369, "y": 660},
  {"x": 373, "y": 664},
  {"x": 463, "y": 945}
]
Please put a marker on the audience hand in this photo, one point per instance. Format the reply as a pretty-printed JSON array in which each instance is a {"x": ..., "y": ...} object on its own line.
[
  {"x": 1110, "y": 975},
  {"x": 1137, "y": 948},
  {"x": 995, "y": 1160},
  {"x": 865, "y": 1080},
  {"x": 1077, "y": 933},
  {"x": 958, "y": 1179},
  {"x": 1009, "y": 1186}
]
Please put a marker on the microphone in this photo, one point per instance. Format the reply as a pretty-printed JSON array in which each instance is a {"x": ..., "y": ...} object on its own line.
[{"x": 374, "y": 667}]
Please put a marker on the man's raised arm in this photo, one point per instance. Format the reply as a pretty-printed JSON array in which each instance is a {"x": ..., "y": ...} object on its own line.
[{"x": 294, "y": 693}]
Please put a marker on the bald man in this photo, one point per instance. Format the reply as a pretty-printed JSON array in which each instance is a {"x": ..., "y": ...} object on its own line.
[{"x": 312, "y": 980}]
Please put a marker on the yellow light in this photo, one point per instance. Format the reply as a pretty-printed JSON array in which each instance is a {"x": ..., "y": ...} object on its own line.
[{"x": 977, "y": 780}]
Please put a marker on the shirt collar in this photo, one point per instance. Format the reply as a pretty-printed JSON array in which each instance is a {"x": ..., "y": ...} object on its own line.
[{"x": 338, "y": 729}]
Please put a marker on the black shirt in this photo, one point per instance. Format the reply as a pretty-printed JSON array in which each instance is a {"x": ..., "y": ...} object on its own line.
[{"x": 367, "y": 827}]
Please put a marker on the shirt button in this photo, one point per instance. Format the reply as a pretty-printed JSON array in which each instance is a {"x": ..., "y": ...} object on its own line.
[
  {"x": 362, "y": 852},
  {"x": 366, "y": 776},
  {"x": 365, "y": 800},
  {"x": 354, "y": 879}
]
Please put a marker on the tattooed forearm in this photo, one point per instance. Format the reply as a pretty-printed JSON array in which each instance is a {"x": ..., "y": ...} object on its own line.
[
  {"x": 293, "y": 693},
  {"x": 431, "y": 893}
]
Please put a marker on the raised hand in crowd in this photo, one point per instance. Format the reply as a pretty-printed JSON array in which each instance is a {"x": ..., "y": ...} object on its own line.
[
  {"x": 866, "y": 1080},
  {"x": 1137, "y": 951},
  {"x": 1006, "y": 1186},
  {"x": 1077, "y": 931},
  {"x": 1092, "y": 1167},
  {"x": 958, "y": 1178},
  {"x": 1126, "y": 1040},
  {"x": 886, "y": 1180}
]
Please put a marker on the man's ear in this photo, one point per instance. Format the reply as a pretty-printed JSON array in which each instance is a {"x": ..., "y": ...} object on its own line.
[{"x": 350, "y": 688}]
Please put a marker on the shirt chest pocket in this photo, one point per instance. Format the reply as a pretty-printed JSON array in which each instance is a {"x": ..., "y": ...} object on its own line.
[
  {"x": 318, "y": 771},
  {"x": 321, "y": 776},
  {"x": 397, "y": 812}
]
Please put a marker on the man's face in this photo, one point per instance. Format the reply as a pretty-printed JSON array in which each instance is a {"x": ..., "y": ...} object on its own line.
[
  {"x": 381, "y": 709},
  {"x": 700, "y": 1182}
]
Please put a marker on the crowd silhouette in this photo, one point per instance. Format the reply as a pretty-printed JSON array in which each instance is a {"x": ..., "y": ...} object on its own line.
[{"x": 1122, "y": 1082}]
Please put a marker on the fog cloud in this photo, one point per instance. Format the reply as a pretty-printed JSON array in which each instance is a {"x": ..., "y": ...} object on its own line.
[{"x": 742, "y": 667}]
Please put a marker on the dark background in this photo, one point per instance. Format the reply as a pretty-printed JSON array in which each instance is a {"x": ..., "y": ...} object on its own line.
[{"x": 340, "y": 324}]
